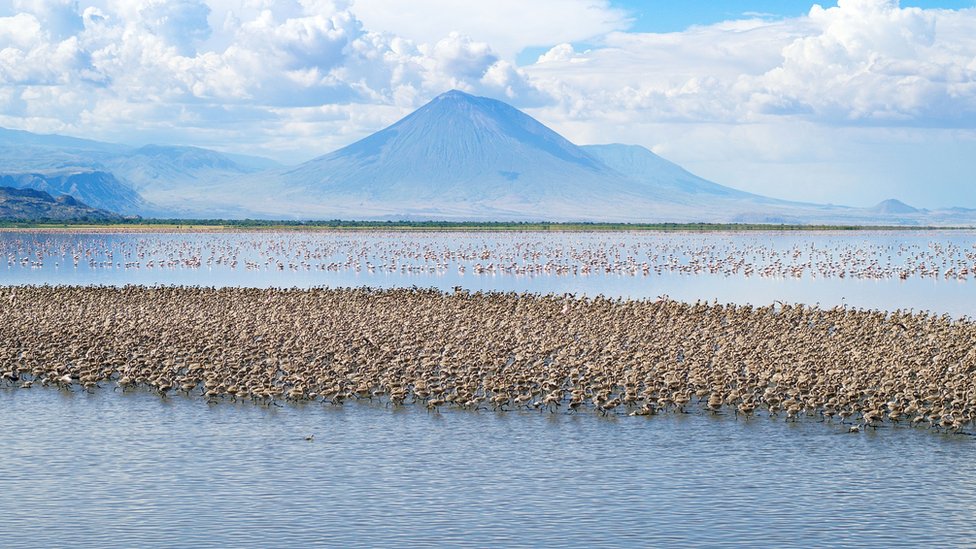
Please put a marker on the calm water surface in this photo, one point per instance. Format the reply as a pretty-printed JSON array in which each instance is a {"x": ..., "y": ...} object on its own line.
[
  {"x": 870, "y": 262},
  {"x": 112, "y": 470}
]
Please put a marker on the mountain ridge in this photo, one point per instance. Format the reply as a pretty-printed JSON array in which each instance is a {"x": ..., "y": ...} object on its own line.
[
  {"x": 119, "y": 178},
  {"x": 457, "y": 158},
  {"x": 100, "y": 189},
  {"x": 30, "y": 205},
  {"x": 466, "y": 157},
  {"x": 894, "y": 206}
]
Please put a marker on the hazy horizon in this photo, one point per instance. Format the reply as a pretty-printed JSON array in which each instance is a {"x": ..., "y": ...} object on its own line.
[{"x": 850, "y": 103}]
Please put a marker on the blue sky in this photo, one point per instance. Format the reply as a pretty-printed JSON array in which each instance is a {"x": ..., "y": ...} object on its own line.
[
  {"x": 848, "y": 102},
  {"x": 673, "y": 16},
  {"x": 661, "y": 16}
]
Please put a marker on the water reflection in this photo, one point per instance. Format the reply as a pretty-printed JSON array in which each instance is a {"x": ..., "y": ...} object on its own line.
[
  {"x": 133, "y": 470},
  {"x": 884, "y": 270}
]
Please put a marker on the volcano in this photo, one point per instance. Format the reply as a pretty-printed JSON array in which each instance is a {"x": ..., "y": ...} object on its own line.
[
  {"x": 463, "y": 157},
  {"x": 457, "y": 158}
]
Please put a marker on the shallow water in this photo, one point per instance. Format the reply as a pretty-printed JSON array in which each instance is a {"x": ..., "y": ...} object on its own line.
[
  {"x": 113, "y": 470},
  {"x": 132, "y": 470},
  {"x": 870, "y": 261}
]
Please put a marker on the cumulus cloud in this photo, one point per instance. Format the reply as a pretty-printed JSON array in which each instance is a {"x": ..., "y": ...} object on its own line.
[
  {"x": 508, "y": 25},
  {"x": 862, "y": 61},
  {"x": 560, "y": 52},
  {"x": 873, "y": 60},
  {"x": 59, "y": 18},
  {"x": 801, "y": 108},
  {"x": 305, "y": 76},
  {"x": 22, "y": 32},
  {"x": 155, "y": 58},
  {"x": 181, "y": 23}
]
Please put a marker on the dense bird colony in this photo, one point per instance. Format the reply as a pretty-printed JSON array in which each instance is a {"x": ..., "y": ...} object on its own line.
[
  {"x": 498, "y": 351},
  {"x": 516, "y": 253}
]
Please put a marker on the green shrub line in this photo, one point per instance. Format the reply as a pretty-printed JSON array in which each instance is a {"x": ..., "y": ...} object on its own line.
[{"x": 338, "y": 224}]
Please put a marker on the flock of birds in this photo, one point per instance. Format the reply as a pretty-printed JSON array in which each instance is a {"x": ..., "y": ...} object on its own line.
[
  {"x": 496, "y": 351},
  {"x": 516, "y": 254}
]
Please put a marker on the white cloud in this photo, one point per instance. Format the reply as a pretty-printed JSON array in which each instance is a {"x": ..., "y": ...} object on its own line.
[
  {"x": 873, "y": 60},
  {"x": 508, "y": 25},
  {"x": 181, "y": 23},
  {"x": 242, "y": 72},
  {"x": 302, "y": 77},
  {"x": 276, "y": 55},
  {"x": 863, "y": 61},
  {"x": 834, "y": 98},
  {"x": 21, "y": 32},
  {"x": 59, "y": 18}
]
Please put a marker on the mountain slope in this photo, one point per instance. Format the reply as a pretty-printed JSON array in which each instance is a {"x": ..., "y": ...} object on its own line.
[
  {"x": 118, "y": 177},
  {"x": 459, "y": 157},
  {"x": 22, "y": 138},
  {"x": 29, "y": 205},
  {"x": 97, "y": 188},
  {"x": 155, "y": 168},
  {"x": 467, "y": 157},
  {"x": 650, "y": 170},
  {"x": 893, "y": 206},
  {"x": 455, "y": 147}
]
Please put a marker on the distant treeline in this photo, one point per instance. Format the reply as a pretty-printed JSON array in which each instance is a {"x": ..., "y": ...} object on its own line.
[
  {"x": 85, "y": 220},
  {"x": 445, "y": 225}
]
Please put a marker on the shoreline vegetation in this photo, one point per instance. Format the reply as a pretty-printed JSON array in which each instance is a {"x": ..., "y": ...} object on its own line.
[
  {"x": 864, "y": 369},
  {"x": 202, "y": 225}
]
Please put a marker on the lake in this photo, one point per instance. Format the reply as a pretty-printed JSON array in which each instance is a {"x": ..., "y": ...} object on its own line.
[
  {"x": 107, "y": 469},
  {"x": 921, "y": 270},
  {"x": 112, "y": 470}
]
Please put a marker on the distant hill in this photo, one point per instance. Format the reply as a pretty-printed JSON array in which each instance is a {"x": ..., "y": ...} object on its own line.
[
  {"x": 117, "y": 177},
  {"x": 892, "y": 206},
  {"x": 462, "y": 157},
  {"x": 457, "y": 158},
  {"x": 467, "y": 158},
  {"x": 29, "y": 205},
  {"x": 20, "y": 138},
  {"x": 650, "y": 170},
  {"x": 100, "y": 189},
  {"x": 156, "y": 168}
]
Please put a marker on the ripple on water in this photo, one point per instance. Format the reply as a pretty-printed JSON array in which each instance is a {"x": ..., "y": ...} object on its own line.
[
  {"x": 203, "y": 259},
  {"x": 112, "y": 470}
]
